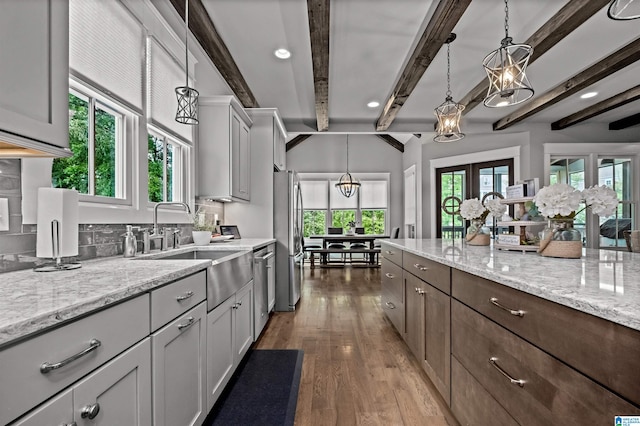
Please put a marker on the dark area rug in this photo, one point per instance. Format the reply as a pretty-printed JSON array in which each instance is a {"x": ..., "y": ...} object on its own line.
[{"x": 262, "y": 391}]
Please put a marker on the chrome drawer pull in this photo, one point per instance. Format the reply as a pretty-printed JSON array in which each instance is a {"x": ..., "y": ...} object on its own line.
[
  {"x": 389, "y": 252},
  {"x": 513, "y": 381},
  {"x": 390, "y": 305},
  {"x": 189, "y": 322},
  {"x": 518, "y": 313},
  {"x": 185, "y": 296},
  {"x": 70, "y": 424},
  {"x": 90, "y": 411},
  {"x": 388, "y": 275},
  {"x": 47, "y": 366},
  {"x": 419, "y": 266}
]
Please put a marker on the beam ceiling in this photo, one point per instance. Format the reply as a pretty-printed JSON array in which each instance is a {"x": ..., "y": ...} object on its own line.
[
  {"x": 318, "y": 12},
  {"x": 392, "y": 141},
  {"x": 623, "y": 123},
  {"x": 441, "y": 24},
  {"x": 296, "y": 141}
]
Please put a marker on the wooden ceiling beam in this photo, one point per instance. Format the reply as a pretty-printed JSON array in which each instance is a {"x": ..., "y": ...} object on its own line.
[
  {"x": 296, "y": 141},
  {"x": 613, "y": 102},
  {"x": 570, "y": 17},
  {"x": 616, "y": 61},
  {"x": 205, "y": 32},
  {"x": 441, "y": 24},
  {"x": 623, "y": 123},
  {"x": 319, "y": 14},
  {"x": 392, "y": 141}
]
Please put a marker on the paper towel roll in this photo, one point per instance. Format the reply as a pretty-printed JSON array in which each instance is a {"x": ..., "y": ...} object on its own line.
[{"x": 61, "y": 205}]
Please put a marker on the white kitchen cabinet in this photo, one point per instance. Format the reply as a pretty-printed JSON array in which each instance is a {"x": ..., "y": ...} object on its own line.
[
  {"x": 179, "y": 370},
  {"x": 56, "y": 411},
  {"x": 271, "y": 279},
  {"x": 279, "y": 143},
  {"x": 229, "y": 337},
  {"x": 35, "y": 74},
  {"x": 224, "y": 149}
]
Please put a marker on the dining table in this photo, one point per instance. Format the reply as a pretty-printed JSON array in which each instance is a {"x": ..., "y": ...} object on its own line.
[{"x": 348, "y": 238}]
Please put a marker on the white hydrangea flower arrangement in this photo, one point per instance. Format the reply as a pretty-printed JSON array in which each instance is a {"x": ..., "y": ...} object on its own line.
[
  {"x": 495, "y": 207},
  {"x": 473, "y": 209},
  {"x": 563, "y": 201},
  {"x": 602, "y": 200}
]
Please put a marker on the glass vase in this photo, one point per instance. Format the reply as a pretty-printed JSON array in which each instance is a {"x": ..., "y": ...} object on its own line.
[
  {"x": 560, "y": 239},
  {"x": 477, "y": 233}
]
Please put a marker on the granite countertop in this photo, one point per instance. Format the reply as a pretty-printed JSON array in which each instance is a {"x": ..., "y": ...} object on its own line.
[
  {"x": 604, "y": 283},
  {"x": 33, "y": 301}
]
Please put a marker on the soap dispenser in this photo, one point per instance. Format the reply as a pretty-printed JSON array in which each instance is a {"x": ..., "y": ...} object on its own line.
[{"x": 130, "y": 244}]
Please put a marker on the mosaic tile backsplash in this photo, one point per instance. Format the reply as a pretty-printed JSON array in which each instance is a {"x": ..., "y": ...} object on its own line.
[{"x": 18, "y": 244}]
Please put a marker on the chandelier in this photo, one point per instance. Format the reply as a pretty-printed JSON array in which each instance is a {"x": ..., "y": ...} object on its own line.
[
  {"x": 506, "y": 69},
  {"x": 187, "y": 97},
  {"x": 347, "y": 185},
  {"x": 624, "y": 10},
  {"x": 449, "y": 112}
]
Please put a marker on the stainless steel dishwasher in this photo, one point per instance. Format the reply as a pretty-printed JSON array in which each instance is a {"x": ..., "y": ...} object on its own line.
[{"x": 260, "y": 288}]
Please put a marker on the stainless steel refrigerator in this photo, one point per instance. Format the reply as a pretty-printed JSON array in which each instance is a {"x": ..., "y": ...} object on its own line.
[{"x": 287, "y": 229}]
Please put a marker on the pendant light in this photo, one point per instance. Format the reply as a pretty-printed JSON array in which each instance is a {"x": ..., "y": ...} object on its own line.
[
  {"x": 506, "y": 69},
  {"x": 449, "y": 113},
  {"x": 624, "y": 10},
  {"x": 187, "y": 97},
  {"x": 347, "y": 185}
]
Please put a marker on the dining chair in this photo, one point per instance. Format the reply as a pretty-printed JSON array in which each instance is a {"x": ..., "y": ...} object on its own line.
[
  {"x": 359, "y": 231},
  {"x": 334, "y": 230},
  {"x": 310, "y": 245}
]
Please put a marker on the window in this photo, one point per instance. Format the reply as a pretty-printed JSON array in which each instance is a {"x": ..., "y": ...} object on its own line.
[
  {"x": 616, "y": 174},
  {"x": 96, "y": 138},
  {"x": 373, "y": 206},
  {"x": 314, "y": 202},
  {"x": 162, "y": 155}
]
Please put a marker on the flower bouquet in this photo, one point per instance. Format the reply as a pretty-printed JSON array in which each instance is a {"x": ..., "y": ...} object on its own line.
[
  {"x": 476, "y": 212},
  {"x": 559, "y": 203}
]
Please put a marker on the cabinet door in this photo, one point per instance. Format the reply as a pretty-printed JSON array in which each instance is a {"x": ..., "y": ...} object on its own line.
[
  {"x": 220, "y": 349},
  {"x": 243, "y": 321},
  {"x": 35, "y": 70},
  {"x": 57, "y": 411},
  {"x": 437, "y": 338},
  {"x": 414, "y": 317},
  {"x": 240, "y": 158},
  {"x": 178, "y": 370},
  {"x": 271, "y": 280},
  {"x": 119, "y": 392},
  {"x": 279, "y": 147}
]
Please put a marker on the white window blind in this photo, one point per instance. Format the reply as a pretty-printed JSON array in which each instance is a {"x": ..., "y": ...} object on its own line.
[
  {"x": 339, "y": 201},
  {"x": 373, "y": 194},
  {"x": 106, "y": 48},
  {"x": 164, "y": 75},
  {"x": 314, "y": 194}
]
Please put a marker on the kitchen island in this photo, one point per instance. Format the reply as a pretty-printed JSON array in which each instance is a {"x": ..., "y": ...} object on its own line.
[{"x": 516, "y": 338}]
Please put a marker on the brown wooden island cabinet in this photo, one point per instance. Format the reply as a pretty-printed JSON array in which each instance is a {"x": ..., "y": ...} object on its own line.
[{"x": 500, "y": 356}]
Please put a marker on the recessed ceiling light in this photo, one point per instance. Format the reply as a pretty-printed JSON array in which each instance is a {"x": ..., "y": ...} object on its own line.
[
  {"x": 282, "y": 53},
  {"x": 373, "y": 104},
  {"x": 588, "y": 95}
]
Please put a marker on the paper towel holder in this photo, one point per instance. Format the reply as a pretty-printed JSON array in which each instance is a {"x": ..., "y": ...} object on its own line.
[{"x": 55, "y": 246}]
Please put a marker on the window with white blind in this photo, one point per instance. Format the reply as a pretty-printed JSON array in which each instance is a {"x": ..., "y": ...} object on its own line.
[
  {"x": 373, "y": 206},
  {"x": 315, "y": 202}
]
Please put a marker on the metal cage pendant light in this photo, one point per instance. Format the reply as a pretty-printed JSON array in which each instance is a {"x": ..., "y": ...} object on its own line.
[
  {"x": 624, "y": 10},
  {"x": 506, "y": 69},
  {"x": 187, "y": 112},
  {"x": 347, "y": 185},
  {"x": 449, "y": 112}
]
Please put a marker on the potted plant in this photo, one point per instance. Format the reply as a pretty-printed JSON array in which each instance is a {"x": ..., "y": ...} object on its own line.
[{"x": 202, "y": 228}]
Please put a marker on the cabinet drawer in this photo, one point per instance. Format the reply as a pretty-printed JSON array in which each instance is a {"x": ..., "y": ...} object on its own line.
[
  {"x": 394, "y": 310},
  {"x": 24, "y": 386},
  {"x": 471, "y": 403},
  {"x": 600, "y": 349},
  {"x": 176, "y": 298},
  {"x": 550, "y": 392},
  {"x": 391, "y": 253},
  {"x": 392, "y": 280},
  {"x": 436, "y": 274}
]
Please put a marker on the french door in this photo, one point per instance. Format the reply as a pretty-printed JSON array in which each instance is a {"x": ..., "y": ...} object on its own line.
[{"x": 464, "y": 182}]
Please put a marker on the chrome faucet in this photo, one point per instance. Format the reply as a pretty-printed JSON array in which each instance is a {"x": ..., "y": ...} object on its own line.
[{"x": 155, "y": 232}]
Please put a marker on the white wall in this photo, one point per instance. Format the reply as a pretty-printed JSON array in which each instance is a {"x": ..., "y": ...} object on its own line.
[
  {"x": 413, "y": 156},
  {"x": 326, "y": 153}
]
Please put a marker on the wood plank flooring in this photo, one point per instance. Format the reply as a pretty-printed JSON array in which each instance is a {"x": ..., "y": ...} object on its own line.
[{"x": 357, "y": 370}]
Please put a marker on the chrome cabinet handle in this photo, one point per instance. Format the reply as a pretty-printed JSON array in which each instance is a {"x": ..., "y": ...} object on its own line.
[
  {"x": 420, "y": 267},
  {"x": 90, "y": 411},
  {"x": 417, "y": 290},
  {"x": 388, "y": 275},
  {"x": 518, "y": 313},
  {"x": 513, "y": 381},
  {"x": 390, "y": 305},
  {"x": 187, "y": 295},
  {"x": 389, "y": 252},
  {"x": 421, "y": 291},
  {"x": 70, "y": 424},
  {"x": 47, "y": 366},
  {"x": 189, "y": 322}
]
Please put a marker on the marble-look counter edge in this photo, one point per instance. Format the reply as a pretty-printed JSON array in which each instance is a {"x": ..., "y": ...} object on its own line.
[{"x": 622, "y": 312}]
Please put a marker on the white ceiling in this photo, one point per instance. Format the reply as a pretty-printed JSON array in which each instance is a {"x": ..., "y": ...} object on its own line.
[{"x": 370, "y": 41}]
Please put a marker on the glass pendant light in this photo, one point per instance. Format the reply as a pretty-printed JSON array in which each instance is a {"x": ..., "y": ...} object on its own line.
[
  {"x": 347, "y": 185},
  {"x": 449, "y": 113},
  {"x": 506, "y": 69},
  {"x": 187, "y": 97},
  {"x": 624, "y": 10}
]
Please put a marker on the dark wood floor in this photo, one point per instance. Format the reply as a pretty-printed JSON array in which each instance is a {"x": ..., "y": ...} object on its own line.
[{"x": 357, "y": 369}]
